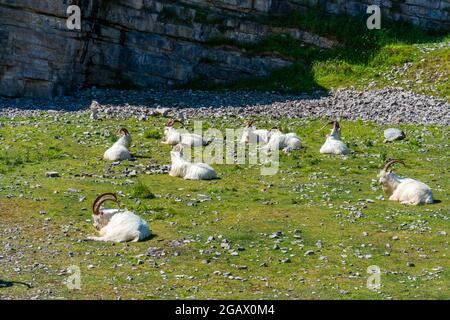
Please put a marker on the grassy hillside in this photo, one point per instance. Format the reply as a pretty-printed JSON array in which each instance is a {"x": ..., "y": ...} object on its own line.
[
  {"x": 328, "y": 205},
  {"x": 398, "y": 55}
]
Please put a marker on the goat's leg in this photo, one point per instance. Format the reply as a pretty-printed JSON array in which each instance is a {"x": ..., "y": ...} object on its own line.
[{"x": 94, "y": 238}]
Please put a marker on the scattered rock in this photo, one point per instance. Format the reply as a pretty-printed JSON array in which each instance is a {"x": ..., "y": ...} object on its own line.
[
  {"x": 52, "y": 174},
  {"x": 393, "y": 134},
  {"x": 309, "y": 253}
]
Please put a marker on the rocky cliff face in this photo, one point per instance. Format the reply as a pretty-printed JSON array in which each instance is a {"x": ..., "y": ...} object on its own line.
[
  {"x": 125, "y": 43},
  {"x": 427, "y": 14},
  {"x": 136, "y": 43}
]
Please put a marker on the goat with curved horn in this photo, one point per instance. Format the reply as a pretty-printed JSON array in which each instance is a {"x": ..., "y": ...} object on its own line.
[
  {"x": 117, "y": 225},
  {"x": 173, "y": 136},
  {"x": 281, "y": 141},
  {"x": 188, "y": 170},
  {"x": 119, "y": 151},
  {"x": 252, "y": 135},
  {"x": 403, "y": 190}
]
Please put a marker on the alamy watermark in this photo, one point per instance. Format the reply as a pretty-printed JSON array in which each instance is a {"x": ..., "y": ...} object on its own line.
[
  {"x": 374, "y": 21},
  {"x": 74, "y": 17},
  {"x": 374, "y": 280},
  {"x": 73, "y": 282},
  {"x": 74, "y": 20}
]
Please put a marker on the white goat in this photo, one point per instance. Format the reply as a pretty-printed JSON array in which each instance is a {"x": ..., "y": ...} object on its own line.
[
  {"x": 404, "y": 190},
  {"x": 94, "y": 110},
  {"x": 117, "y": 225},
  {"x": 187, "y": 170},
  {"x": 119, "y": 150},
  {"x": 286, "y": 142},
  {"x": 172, "y": 136},
  {"x": 253, "y": 135},
  {"x": 334, "y": 144}
]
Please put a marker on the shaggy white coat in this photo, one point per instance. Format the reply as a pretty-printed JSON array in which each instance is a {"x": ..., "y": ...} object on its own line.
[
  {"x": 405, "y": 190},
  {"x": 334, "y": 144},
  {"x": 286, "y": 142},
  {"x": 253, "y": 135},
  {"x": 172, "y": 137},
  {"x": 190, "y": 171},
  {"x": 118, "y": 225},
  {"x": 119, "y": 150}
]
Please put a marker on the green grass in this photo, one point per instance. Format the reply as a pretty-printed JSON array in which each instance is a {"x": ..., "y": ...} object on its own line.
[
  {"x": 153, "y": 134},
  {"x": 313, "y": 197},
  {"x": 362, "y": 57},
  {"x": 142, "y": 191}
]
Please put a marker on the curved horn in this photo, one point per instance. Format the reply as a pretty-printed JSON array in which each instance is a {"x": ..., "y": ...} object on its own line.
[
  {"x": 172, "y": 122},
  {"x": 250, "y": 123},
  {"x": 100, "y": 200},
  {"x": 390, "y": 163},
  {"x": 327, "y": 124},
  {"x": 123, "y": 131}
]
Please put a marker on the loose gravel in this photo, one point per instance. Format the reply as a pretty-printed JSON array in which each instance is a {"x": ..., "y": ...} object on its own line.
[{"x": 389, "y": 105}]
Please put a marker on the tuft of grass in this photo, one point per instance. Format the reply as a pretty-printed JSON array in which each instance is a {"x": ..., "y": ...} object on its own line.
[
  {"x": 142, "y": 191},
  {"x": 153, "y": 134}
]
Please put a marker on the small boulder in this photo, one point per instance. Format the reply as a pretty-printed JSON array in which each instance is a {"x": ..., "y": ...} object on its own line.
[
  {"x": 393, "y": 134},
  {"x": 52, "y": 174}
]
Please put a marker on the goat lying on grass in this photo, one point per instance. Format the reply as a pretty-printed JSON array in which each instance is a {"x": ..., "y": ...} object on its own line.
[
  {"x": 253, "y": 135},
  {"x": 187, "y": 170},
  {"x": 172, "y": 136},
  {"x": 404, "y": 190},
  {"x": 117, "y": 225},
  {"x": 334, "y": 144},
  {"x": 119, "y": 150},
  {"x": 286, "y": 142}
]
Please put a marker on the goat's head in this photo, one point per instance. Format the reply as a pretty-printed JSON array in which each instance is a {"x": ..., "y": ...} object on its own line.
[
  {"x": 94, "y": 105},
  {"x": 336, "y": 131},
  {"x": 122, "y": 132},
  {"x": 247, "y": 132},
  {"x": 385, "y": 175},
  {"x": 170, "y": 126},
  {"x": 277, "y": 129},
  {"x": 101, "y": 219},
  {"x": 177, "y": 152}
]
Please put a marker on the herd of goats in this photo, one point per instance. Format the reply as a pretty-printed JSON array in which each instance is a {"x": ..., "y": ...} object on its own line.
[{"x": 119, "y": 225}]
